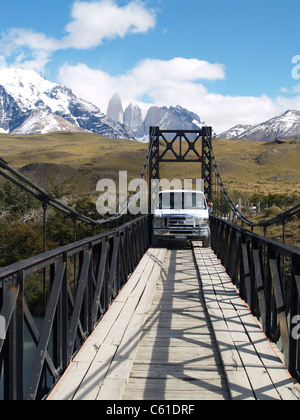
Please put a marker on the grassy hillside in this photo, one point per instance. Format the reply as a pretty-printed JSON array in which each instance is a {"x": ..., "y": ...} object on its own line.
[
  {"x": 264, "y": 167},
  {"x": 247, "y": 167},
  {"x": 81, "y": 159},
  {"x": 77, "y": 161}
]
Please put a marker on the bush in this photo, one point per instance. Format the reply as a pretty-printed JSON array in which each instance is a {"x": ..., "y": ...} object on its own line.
[
  {"x": 15, "y": 201},
  {"x": 279, "y": 200},
  {"x": 19, "y": 241},
  {"x": 273, "y": 212}
]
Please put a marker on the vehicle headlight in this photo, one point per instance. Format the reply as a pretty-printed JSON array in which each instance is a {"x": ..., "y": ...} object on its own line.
[
  {"x": 202, "y": 222},
  {"x": 157, "y": 222}
]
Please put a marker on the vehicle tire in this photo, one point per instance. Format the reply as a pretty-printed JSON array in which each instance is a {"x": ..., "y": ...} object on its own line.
[
  {"x": 206, "y": 243},
  {"x": 155, "y": 242}
]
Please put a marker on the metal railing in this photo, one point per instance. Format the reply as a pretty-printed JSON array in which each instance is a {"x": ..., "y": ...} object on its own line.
[
  {"x": 79, "y": 283},
  {"x": 267, "y": 275}
]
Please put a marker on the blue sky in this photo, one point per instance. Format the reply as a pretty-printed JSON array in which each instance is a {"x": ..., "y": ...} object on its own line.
[{"x": 230, "y": 61}]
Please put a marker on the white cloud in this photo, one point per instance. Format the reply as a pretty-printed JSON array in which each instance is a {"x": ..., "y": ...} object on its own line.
[
  {"x": 289, "y": 103},
  {"x": 174, "y": 82},
  {"x": 88, "y": 84},
  {"x": 224, "y": 112},
  {"x": 92, "y": 23},
  {"x": 2, "y": 61},
  {"x": 95, "y": 21},
  {"x": 17, "y": 38},
  {"x": 157, "y": 79},
  {"x": 180, "y": 69},
  {"x": 150, "y": 82}
]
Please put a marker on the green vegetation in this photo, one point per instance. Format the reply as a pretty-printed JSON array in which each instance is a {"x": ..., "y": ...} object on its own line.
[
  {"x": 76, "y": 160},
  {"x": 69, "y": 165}
]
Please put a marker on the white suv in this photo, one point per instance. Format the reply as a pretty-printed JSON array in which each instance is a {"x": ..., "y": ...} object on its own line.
[{"x": 181, "y": 214}]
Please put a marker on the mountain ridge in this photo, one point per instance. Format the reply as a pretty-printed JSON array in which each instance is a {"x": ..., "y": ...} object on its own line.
[
  {"x": 24, "y": 93},
  {"x": 30, "y": 104},
  {"x": 283, "y": 126},
  {"x": 167, "y": 118}
]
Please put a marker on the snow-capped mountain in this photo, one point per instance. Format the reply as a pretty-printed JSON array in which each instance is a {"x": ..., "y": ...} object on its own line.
[
  {"x": 235, "y": 131},
  {"x": 283, "y": 126},
  {"x": 31, "y": 104},
  {"x": 45, "y": 122}
]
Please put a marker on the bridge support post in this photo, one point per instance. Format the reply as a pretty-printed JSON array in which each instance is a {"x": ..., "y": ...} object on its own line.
[
  {"x": 154, "y": 134},
  {"x": 174, "y": 150},
  {"x": 207, "y": 161}
]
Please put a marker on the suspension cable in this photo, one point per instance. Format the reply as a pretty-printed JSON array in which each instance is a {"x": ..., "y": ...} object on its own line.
[
  {"x": 40, "y": 194},
  {"x": 277, "y": 219}
]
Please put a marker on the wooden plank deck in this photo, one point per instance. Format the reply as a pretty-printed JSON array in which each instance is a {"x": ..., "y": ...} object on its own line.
[
  {"x": 253, "y": 365},
  {"x": 177, "y": 331},
  {"x": 177, "y": 357},
  {"x": 102, "y": 367}
]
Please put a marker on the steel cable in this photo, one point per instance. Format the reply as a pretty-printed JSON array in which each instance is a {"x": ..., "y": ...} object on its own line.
[
  {"x": 277, "y": 219},
  {"x": 40, "y": 194}
]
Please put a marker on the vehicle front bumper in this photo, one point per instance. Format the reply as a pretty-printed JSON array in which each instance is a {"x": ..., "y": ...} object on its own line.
[{"x": 191, "y": 235}]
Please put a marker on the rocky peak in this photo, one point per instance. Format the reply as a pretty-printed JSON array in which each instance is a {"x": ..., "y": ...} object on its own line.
[
  {"x": 115, "y": 109},
  {"x": 133, "y": 118},
  {"x": 31, "y": 104},
  {"x": 177, "y": 118}
]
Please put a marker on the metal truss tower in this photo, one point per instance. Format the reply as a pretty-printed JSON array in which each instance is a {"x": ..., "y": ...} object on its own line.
[{"x": 180, "y": 146}]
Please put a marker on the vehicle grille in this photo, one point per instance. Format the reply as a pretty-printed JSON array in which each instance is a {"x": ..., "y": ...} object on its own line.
[{"x": 182, "y": 222}]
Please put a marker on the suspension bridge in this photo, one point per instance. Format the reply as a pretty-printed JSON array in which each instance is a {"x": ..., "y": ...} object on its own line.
[{"x": 125, "y": 320}]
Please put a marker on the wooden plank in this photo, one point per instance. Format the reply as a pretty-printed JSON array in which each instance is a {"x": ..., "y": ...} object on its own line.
[
  {"x": 119, "y": 371},
  {"x": 172, "y": 341},
  {"x": 156, "y": 371},
  {"x": 112, "y": 389},
  {"x": 173, "y": 396},
  {"x": 175, "y": 385},
  {"x": 89, "y": 350},
  {"x": 266, "y": 351},
  {"x": 176, "y": 357},
  {"x": 261, "y": 383},
  {"x": 96, "y": 373},
  {"x": 147, "y": 298},
  {"x": 252, "y": 366},
  {"x": 237, "y": 379},
  {"x": 130, "y": 326},
  {"x": 107, "y": 357},
  {"x": 66, "y": 389},
  {"x": 269, "y": 356}
]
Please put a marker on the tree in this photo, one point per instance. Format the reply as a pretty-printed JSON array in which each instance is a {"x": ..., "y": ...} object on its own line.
[{"x": 19, "y": 241}]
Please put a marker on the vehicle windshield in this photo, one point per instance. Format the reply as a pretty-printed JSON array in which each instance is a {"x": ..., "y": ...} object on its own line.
[{"x": 181, "y": 200}]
